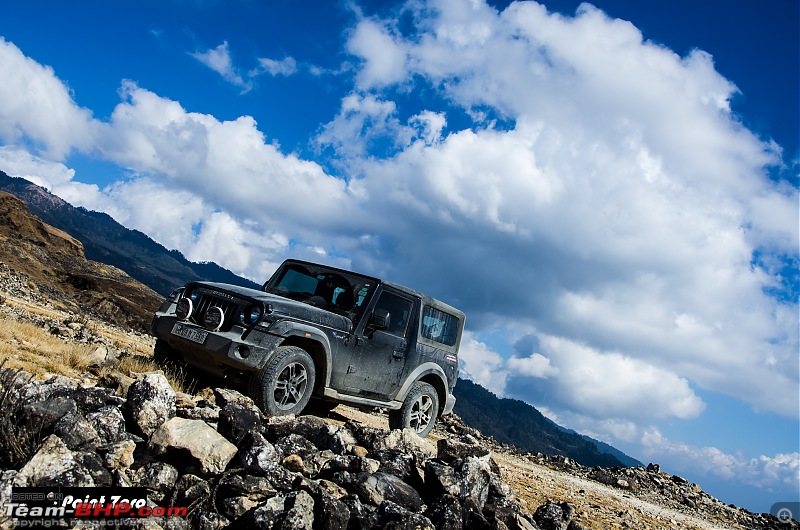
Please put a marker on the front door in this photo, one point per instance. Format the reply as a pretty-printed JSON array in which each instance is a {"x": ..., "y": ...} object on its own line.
[{"x": 377, "y": 366}]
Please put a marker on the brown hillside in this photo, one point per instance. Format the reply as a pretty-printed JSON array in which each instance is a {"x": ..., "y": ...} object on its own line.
[{"x": 57, "y": 268}]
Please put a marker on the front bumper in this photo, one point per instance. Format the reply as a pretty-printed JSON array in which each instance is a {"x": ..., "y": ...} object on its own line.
[{"x": 218, "y": 350}]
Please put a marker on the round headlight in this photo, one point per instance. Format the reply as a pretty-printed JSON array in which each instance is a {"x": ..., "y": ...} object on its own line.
[
  {"x": 250, "y": 316},
  {"x": 184, "y": 309},
  {"x": 213, "y": 318}
]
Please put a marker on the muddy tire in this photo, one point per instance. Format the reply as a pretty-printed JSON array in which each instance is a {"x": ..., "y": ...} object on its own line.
[
  {"x": 285, "y": 384},
  {"x": 168, "y": 358},
  {"x": 419, "y": 411}
]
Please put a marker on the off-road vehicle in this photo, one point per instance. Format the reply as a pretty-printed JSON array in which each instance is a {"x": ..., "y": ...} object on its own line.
[{"x": 321, "y": 333}]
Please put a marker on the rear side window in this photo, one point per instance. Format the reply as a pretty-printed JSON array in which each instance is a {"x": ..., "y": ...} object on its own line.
[{"x": 439, "y": 326}]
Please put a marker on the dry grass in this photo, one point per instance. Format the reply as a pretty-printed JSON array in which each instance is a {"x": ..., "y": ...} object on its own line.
[{"x": 28, "y": 347}]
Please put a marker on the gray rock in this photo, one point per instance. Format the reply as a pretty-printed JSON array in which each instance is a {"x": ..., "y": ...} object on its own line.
[
  {"x": 236, "y": 420},
  {"x": 76, "y": 432},
  {"x": 226, "y": 396},
  {"x": 159, "y": 477},
  {"x": 375, "y": 488},
  {"x": 53, "y": 465},
  {"x": 257, "y": 455},
  {"x": 120, "y": 455},
  {"x": 554, "y": 516},
  {"x": 470, "y": 479},
  {"x": 109, "y": 424},
  {"x": 450, "y": 450},
  {"x": 190, "y": 489},
  {"x": 151, "y": 402},
  {"x": 395, "y": 517},
  {"x": 210, "y": 450},
  {"x": 445, "y": 513}
]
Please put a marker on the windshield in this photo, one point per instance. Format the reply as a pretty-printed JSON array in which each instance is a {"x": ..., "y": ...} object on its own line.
[{"x": 331, "y": 289}]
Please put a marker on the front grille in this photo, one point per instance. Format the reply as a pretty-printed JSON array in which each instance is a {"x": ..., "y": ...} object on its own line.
[{"x": 206, "y": 300}]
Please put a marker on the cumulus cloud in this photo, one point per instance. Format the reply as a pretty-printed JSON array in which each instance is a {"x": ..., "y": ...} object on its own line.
[
  {"x": 39, "y": 108},
  {"x": 384, "y": 60},
  {"x": 603, "y": 197}
]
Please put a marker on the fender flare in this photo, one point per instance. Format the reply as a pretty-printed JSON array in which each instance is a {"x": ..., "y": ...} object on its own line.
[
  {"x": 288, "y": 328},
  {"x": 419, "y": 372}
]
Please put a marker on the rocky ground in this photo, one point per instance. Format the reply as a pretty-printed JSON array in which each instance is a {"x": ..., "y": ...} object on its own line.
[{"x": 211, "y": 451}]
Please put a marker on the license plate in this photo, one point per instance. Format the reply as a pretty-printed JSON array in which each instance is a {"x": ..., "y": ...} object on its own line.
[{"x": 192, "y": 334}]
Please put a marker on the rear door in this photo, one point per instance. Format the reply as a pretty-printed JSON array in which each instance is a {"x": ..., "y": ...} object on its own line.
[{"x": 377, "y": 365}]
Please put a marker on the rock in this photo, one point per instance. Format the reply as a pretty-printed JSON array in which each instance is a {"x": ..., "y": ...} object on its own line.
[
  {"x": 396, "y": 517},
  {"x": 53, "y": 465},
  {"x": 208, "y": 520},
  {"x": 41, "y": 415},
  {"x": 76, "y": 432},
  {"x": 470, "y": 479},
  {"x": 151, "y": 402},
  {"x": 102, "y": 358},
  {"x": 190, "y": 489},
  {"x": 236, "y": 420},
  {"x": 449, "y": 450},
  {"x": 374, "y": 488},
  {"x": 257, "y": 455},
  {"x": 226, "y": 396},
  {"x": 400, "y": 464},
  {"x": 293, "y": 463},
  {"x": 159, "y": 477},
  {"x": 554, "y": 516},
  {"x": 109, "y": 423},
  {"x": 120, "y": 455},
  {"x": 294, "y": 444},
  {"x": 210, "y": 450},
  {"x": 445, "y": 513}
]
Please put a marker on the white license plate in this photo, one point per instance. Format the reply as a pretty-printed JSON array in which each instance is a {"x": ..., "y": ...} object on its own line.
[{"x": 192, "y": 334}]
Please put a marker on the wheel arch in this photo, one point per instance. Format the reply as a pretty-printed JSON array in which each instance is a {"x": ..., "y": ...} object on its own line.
[
  {"x": 318, "y": 354},
  {"x": 430, "y": 373}
]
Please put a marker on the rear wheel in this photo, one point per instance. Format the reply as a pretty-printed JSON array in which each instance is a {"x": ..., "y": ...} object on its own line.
[
  {"x": 285, "y": 384},
  {"x": 419, "y": 411}
]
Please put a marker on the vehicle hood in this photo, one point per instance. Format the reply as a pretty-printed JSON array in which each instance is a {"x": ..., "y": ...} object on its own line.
[{"x": 286, "y": 307}]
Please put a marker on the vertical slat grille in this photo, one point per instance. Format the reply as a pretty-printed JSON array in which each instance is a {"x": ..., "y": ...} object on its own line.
[{"x": 206, "y": 301}]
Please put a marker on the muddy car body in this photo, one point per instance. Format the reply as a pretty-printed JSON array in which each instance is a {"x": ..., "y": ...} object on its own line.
[{"x": 321, "y": 333}]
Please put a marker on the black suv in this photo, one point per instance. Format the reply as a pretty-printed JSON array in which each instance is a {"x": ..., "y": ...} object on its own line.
[{"x": 316, "y": 332}]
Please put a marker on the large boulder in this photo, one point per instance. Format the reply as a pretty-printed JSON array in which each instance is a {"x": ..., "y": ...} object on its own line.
[{"x": 206, "y": 447}]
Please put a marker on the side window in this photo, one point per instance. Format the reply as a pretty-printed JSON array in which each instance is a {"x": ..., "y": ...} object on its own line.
[
  {"x": 399, "y": 309},
  {"x": 439, "y": 326}
]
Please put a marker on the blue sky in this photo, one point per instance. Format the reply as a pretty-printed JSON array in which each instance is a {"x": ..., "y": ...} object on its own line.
[{"x": 608, "y": 191}]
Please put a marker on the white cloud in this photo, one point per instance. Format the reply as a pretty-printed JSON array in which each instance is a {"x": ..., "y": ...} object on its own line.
[
  {"x": 605, "y": 196},
  {"x": 384, "y": 59},
  {"x": 38, "y": 107},
  {"x": 219, "y": 60},
  {"x": 286, "y": 66},
  {"x": 480, "y": 364},
  {"x": 779, "y": 471}
]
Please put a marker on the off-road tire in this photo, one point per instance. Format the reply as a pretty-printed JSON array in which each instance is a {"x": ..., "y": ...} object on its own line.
[
  {"x": 285, "y": 384},
  {"x": 168, "y": 358},
  {"x": 419, "y": 411}
]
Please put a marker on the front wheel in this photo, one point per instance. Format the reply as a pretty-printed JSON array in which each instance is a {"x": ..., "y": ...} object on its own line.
[
  {"x": 285, "y": 384},
  {"x": 419, "y": 411}
]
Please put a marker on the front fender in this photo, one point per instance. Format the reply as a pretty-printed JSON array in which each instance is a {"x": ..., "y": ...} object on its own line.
[{"x": 289, "y": 329}]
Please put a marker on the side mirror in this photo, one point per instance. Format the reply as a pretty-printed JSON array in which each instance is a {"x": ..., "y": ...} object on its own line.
[{"x": 380, "y": 319}]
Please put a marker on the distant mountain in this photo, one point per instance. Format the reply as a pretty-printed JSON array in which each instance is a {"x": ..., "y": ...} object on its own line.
[
  {"x": 515, "y": 422},
  {"x": 106, "y": 241}
]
